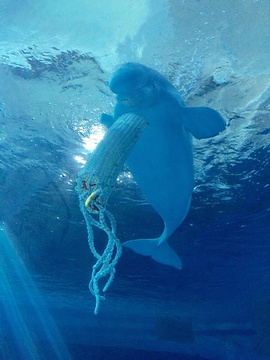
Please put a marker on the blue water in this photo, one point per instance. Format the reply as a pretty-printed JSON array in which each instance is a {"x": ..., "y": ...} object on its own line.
[{"x": 54, "y": 71}]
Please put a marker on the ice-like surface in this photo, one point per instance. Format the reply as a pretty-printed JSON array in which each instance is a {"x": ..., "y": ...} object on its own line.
[{"x": 55, "y": 61}]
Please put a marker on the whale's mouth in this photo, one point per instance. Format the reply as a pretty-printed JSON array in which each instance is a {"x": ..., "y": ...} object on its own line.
[
  {"x": 128, "y": 98},
  {"x": 129, "y": 101},
  {"x": 141, "y": 98},
  {"x": 123, "y": 99}
]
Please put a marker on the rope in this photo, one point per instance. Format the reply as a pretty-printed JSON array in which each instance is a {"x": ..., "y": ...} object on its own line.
[{"x": 94, "y": 185}]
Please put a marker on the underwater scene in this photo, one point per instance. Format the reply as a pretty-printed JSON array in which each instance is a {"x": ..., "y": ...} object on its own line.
[{"x": 135, "y": 179}]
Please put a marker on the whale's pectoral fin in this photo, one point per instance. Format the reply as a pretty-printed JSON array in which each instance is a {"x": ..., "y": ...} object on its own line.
[
  {"x": 106, "y": 120},
  {"x": 203, "y": 122},
  {"x": 160, "y": 252}
]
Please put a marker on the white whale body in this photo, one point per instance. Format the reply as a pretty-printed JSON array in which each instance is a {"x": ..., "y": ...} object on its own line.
[{"x": 161, "y": 162}]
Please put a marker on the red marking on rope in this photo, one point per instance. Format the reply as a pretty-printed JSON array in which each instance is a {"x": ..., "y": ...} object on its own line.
[
  {"x": 84, "y": 185},
  {"x": 94, "y": 208}
]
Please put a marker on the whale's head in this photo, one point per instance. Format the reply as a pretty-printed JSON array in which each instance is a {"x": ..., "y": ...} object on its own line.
[{"x": 135, "y": 86}]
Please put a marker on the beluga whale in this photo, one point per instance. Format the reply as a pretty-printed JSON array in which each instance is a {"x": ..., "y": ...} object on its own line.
[
  {"x": 161, "y": 161},
  {"x": 151, "y": 130}
]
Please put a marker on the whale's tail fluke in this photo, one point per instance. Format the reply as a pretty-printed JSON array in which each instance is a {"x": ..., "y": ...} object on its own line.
[{"x": 159, "y": 250}]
